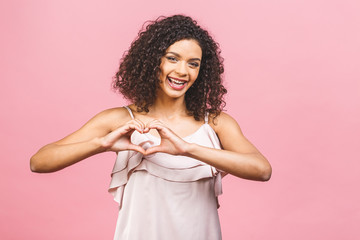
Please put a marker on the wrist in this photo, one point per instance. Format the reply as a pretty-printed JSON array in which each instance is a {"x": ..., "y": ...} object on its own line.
[
  {"x": 99, "y": 144},
  {"x": 189, "y": 149}
]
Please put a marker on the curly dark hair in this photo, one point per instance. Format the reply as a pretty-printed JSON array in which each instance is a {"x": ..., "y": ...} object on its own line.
[{"x": 137, "y": 78}]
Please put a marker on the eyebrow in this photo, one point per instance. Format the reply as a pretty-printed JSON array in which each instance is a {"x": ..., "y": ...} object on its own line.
[{"x": 178, "y": 55}]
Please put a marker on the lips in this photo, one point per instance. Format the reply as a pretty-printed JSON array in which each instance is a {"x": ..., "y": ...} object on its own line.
[{"x": 176, "y": 83}]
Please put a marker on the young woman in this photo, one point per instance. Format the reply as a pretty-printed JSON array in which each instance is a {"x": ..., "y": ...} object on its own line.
[{"x": 173, "y": 143}]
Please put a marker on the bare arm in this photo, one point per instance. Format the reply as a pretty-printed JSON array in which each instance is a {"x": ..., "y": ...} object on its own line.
[
  {"x": 238, "y": 157},
  {"x": 109, "y": 130}
]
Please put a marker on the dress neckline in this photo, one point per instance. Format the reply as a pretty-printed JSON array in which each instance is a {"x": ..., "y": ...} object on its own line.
[{"x": 188, "y": 136}]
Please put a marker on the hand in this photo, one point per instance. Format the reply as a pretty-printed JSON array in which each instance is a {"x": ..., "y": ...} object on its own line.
[
  {"x": 119, "y": 139},
  {"x": 170, "y": 142}
]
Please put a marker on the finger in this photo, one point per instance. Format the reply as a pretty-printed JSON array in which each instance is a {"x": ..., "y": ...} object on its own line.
[
  {"x": 154, "y": 150},
  {"x": 118, "y": 133},
  {"x": 135, "y": 122},
  {"x": 136, "y": 148},
  {"x": 133, "y": 126},
  {"x": 140, "y": 124},
  {"x": 160, "y": 128}
]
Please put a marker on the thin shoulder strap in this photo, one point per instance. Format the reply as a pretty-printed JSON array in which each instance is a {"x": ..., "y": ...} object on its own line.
[
  {"x": 130, "y": 112},
  {"x": 206, "y": 117}
]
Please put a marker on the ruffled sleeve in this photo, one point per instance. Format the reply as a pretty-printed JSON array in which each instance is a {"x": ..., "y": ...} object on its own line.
[{"x": 126, "y": 162}]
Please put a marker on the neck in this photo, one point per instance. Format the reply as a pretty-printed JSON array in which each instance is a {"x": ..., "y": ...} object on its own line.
[{"x": 167, "y": 108}]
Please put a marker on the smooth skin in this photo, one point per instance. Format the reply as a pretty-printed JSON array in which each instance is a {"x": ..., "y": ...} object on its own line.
[{"x": 167, "y": 119}]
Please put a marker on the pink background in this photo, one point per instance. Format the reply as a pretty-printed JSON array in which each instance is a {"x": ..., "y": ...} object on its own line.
[{"x": 292, "y": 71}]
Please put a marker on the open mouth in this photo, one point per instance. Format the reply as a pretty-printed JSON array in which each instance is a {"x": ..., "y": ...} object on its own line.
[{"x": 176, "y": 83}]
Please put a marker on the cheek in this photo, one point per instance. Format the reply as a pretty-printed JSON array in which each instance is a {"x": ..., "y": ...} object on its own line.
[
  {"x": 194, "y": 75},
  {"x": 163, "y": 71}
]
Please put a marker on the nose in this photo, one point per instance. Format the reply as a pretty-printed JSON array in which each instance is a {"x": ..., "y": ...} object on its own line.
[{"x": 181, "y": 68}]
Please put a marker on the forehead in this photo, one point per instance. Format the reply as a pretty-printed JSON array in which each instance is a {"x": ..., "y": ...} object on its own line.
[{"x": 187, "y": 48}]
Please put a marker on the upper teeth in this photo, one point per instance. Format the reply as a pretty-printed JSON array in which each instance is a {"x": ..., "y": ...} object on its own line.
[{"x": 177, "y": 81}]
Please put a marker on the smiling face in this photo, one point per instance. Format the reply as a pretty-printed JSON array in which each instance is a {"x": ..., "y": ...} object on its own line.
[{"x": 179, "y": 68}]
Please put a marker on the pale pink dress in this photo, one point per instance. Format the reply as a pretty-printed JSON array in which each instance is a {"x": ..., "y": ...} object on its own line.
[{"x": 162, "y": 196}]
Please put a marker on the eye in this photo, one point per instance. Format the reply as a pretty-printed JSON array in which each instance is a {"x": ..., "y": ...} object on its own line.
[
  {"x": 171, "y": 58},
  {"x": 194, "y": 64}
]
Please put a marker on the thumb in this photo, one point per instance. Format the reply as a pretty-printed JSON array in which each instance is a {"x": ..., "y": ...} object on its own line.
[
  {"x": 152, "y": 150},
  {"x": 136, "y": 148}
]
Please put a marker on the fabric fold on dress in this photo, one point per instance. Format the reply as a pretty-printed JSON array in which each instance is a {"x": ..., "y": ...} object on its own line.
[{"x": 176, "y": 169}]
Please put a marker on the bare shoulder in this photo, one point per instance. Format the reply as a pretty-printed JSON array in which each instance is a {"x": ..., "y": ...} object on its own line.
[
  {"x": 101, "y": 124},
  {"x": 223, "y": 122},
  {"x": 112, "y": 118},
  {"x": 231, "y": 135}
]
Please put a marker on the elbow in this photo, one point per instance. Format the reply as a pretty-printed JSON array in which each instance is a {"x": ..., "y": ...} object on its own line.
[
  {"x": 265, "y": 173},
  {"x": 36, "y": 166},
  {"x": 40, "y": 165}
]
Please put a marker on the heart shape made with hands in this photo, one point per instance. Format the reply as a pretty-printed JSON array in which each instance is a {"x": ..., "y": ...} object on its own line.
[
  {"x": 132, "y": 136},
  {"x": 169, "y": 142},
  {"x": 142, "y": 140},
  {"x": 146, "y": 144}
]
